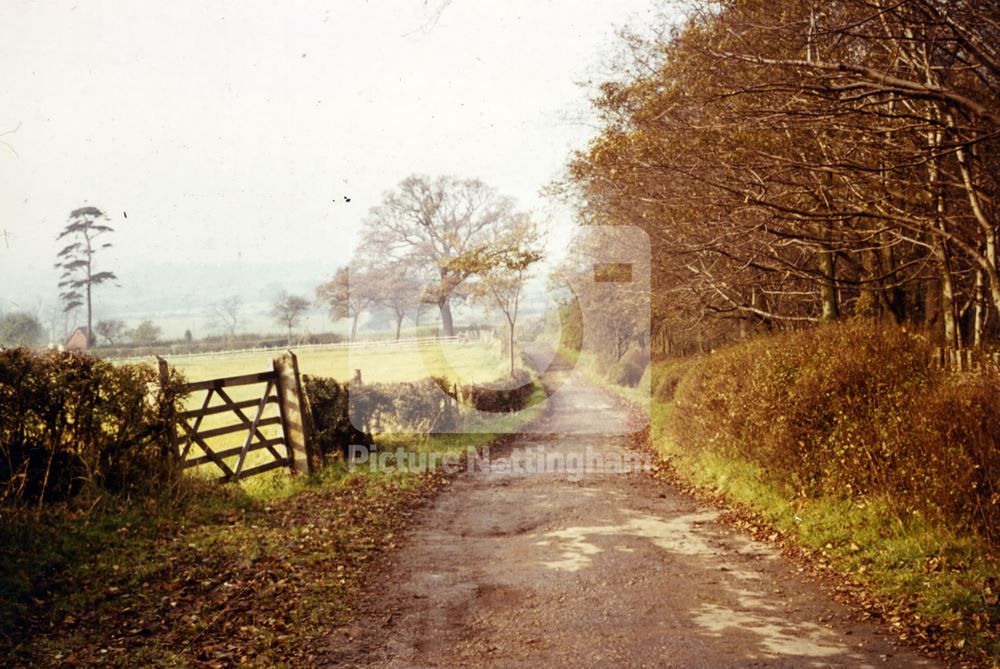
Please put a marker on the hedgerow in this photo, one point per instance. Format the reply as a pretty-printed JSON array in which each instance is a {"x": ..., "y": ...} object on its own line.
[
  {"x": 851, "y": 410},
  {"x": 331, "y": 417},
  {"x": 69, "y": 420}
]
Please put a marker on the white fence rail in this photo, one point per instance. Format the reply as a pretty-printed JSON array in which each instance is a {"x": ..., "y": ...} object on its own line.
[{"x": 379, "y": 343}]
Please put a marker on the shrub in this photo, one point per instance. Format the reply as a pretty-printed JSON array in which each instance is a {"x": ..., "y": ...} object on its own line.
[
  {"x": 666, "y": 375},
  {"x": 953, "y": 444},
  {"x": 850, "y": 410},
  {"x": 423, "y": 406},
  {"x": 504, "y": 395},
  {"x": 70, "y": 419},
  {"x": 331, "y": 419},
  {"x": 417, "y": 407},
  {"x": 571, "y": 328},
  {"x": 604, "y": 363},
  {"x": 20, "y": 329},
  {"x": 629, "y": 370}
]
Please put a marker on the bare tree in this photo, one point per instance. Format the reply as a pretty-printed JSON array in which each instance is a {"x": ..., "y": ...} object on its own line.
[
  {"x": 434, "y": 224},
  {"x": 112, "y": 330},
  {"x": 288, "y": 310},
  {"x": 54, "y": 317},
  {"x": 397, "y": 289},
  {"x": 501, "y": 272},
  {"x": 226, "y": 314},
  {"x": 795, "y": 162},
  {"x": 348, "y": 295}
]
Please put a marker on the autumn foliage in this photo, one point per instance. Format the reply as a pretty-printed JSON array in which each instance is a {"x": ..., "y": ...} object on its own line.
[
  {"x": 795, "y": 162},
  {"x": 853, "y": 411}
]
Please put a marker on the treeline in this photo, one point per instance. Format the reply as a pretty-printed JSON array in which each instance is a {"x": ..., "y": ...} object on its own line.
[
  {"x": 795, "y": 162},
  {"x": 214, "y": 343}
]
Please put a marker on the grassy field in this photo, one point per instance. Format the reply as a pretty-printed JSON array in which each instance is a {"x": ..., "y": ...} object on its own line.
[{"x": 460, "y": 362}]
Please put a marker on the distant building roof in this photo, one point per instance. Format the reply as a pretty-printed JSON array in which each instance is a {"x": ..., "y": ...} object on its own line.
[{"x": 78, "y": 339}]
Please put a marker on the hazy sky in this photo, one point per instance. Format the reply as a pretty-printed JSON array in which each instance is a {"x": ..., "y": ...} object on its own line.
[{"x": 231, "y": 132}]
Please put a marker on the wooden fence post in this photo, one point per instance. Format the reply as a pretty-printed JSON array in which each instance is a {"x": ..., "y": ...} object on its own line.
[
  {"x": 295, "y": 418},
  {"x": 171, "y": 419}
]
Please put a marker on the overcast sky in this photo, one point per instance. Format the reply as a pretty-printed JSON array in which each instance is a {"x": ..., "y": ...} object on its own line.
[{"x": 230, "y": 133}]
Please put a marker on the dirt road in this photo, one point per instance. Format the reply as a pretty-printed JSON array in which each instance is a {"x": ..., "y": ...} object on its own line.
[{"x": 584, "y": 569}]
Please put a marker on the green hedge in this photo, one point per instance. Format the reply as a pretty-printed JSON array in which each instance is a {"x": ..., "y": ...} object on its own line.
[
  {"x": 417, "y": 406},
  {"x": 68, "y": 420},
  {"x": 850, "y": 410}
]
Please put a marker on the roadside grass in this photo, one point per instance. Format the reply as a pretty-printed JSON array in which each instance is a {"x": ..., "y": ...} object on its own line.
[
  {"x": 586, "y": 363},
  {"x": 216, "y": 578},
  {"x": 931, "y": 574},
  {"x": 256, "y": 574},
  {"x": 933, "y": 586}
]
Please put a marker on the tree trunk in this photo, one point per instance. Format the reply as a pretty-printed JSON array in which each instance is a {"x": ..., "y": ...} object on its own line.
[
  {"x": 354, "y": 326},
  {"x": 510, "y": 342},
  {"x": 987, "y": 226},
  {"x": 399, "y": 325},
  {"x": 979, "y": 319},
  {"x": 947, "y": 296},
  {"x": 941, "y": 251},
  {"x": 90, "y": 311},
  {"x": 992, "y": 275},
  {"x": 90, "y": 325},
  {"x": 828, "y": 287},
  {"x": 447, "y": 325},
  {"x": 892, "y": 294}
]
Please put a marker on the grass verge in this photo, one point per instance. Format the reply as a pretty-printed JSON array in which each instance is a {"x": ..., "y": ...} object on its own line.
[{"x": 585, "y": 362}]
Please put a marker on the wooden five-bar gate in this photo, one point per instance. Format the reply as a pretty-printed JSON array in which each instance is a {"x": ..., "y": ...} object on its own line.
[{"x": 281, "y": 388}]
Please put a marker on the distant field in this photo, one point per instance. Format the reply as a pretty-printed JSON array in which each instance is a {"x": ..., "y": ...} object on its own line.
[{"x": 461, "y": 362}]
